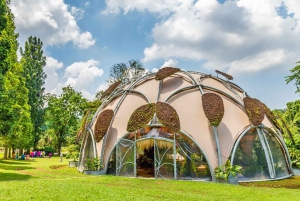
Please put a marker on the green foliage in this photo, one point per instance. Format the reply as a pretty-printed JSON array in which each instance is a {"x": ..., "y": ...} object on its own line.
[
  {"x": 93, "y": 163},
  {"x": 223, "y": 171},
  {"x": 49, "y": 149},
  {"x": 141, "y": 117},
  {"x": 213, "y": 107},
  {"x": 295, "y": 76},
  {"x": 64, "y": 112},
  {"x": 126, "y": 73},
  {"x": 15, "y": 125},
  {"x": 73, "y": 152},
  {"x": 33, "y": 62},
  {"x": 289, "y": 119}
]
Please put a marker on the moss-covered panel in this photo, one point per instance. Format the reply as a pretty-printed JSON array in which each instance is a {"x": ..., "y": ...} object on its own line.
[
  {"x": 102, "y": 124},
  {"x": 168, "y": 116},
  {"x": 213, "y": 107},
  {"x": 141, "y": 117},
  {"x": 166, "y": 72},
  {"x": 110, "y": 89},
  {"x": 254, "y": 109}
]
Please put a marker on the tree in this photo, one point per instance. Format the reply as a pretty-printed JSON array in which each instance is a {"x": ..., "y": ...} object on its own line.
[
  {"x": 63, "y": 113},
  {"x": 295, "y": 76},
  {"x": 126, "y": 72},
  {"x": 14, "y": 110},
  {"x": 33, "y": 62}
]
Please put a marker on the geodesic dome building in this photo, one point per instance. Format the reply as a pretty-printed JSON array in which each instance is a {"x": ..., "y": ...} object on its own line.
[{"x": 180, "y": 124}]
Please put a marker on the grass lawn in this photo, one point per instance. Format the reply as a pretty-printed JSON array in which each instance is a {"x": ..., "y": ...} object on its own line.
[{"x": 49, "y": 179}]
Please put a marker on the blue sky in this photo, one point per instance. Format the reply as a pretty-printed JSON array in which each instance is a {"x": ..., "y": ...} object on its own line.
[{"x": 254, "y": 41}]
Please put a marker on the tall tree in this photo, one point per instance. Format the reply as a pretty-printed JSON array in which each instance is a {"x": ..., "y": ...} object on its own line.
[
  {"x": 64, "y": 112},
  {"x": 33, "y": 62},
  {"x": 126, "y": 72},
  {"x": 295, "y": 76},
  {"x": 14, "y": 110}
]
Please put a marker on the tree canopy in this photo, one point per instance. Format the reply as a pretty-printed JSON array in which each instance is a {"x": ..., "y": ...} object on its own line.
[
  {"x": 64, "y": 112},
  {"x": 15, "y": 124},
  {"x": 126, "y": 72},
  {"x": 33, "y": 62},
  {"x": 295, "y": 76}
]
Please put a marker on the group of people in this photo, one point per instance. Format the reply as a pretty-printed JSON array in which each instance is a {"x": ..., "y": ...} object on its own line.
[
  {"x": 36, "y": 154},
  {"x": 33, "y": 154}
]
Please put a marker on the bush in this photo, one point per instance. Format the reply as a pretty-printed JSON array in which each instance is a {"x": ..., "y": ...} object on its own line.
[
  {"x": 48, "y": 150},
  {"x": 73, "y": 152}
]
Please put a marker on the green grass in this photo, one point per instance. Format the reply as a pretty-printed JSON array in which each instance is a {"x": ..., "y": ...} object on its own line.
[{"x": 49, "y": 179}]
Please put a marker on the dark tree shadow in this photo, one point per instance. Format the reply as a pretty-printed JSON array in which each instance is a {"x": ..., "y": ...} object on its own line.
[
  {"x": 15, "y": 167},
  {"x": 13, "y": 176},
  {"x": 16, "y": 162}
]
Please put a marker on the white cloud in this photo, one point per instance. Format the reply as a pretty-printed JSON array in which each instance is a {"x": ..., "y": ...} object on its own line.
[
  {"x": 155, "y": 6},
  {"x": 52, "y": 84},
  {"x": 80, "y": 75},
  {"x": 51, "y": 21},
  {"x": 237, "y": 36},
  {"x": 154, "y": 70},
  {"x": 170, "y": 63},
  {"x": 78, "y": 13},
  {"x": 102, "y": 87},
  {"x": 87, "y": 4}
]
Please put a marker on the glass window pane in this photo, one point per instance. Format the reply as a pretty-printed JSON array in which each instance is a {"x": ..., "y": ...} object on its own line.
[
  {"x": 251, "y": 156},
  {"x": 190, "y": 162},
  {"x": 279, "y": 160}
]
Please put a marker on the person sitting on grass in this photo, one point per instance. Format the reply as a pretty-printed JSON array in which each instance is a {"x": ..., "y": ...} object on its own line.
[
  {"x": 22, "y": 157},
  {"x": 50, "y": 155}
]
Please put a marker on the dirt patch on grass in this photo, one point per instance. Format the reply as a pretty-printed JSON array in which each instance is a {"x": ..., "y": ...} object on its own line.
[
  {"x": 55, "y": 167},
  {"x": 290, "y": 183}
]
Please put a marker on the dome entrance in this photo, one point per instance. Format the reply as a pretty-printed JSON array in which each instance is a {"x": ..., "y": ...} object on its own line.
[{"x": 158, "y": 153}]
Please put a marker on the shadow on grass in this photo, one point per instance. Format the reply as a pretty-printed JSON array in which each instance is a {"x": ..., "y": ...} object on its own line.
[
  {"x": 15, "y": 167},
  {"x": 16, "y": 162},
  {"x": 13, "y": 177}
]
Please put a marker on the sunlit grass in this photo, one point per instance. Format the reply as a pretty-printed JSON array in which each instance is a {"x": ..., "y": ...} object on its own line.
[{"x": 49, "y": 179}]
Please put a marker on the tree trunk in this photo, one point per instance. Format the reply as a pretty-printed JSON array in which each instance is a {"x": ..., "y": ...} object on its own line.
[
  {"x": 9, "y": 152},
  {"x": 5, "y": 152},
  {"x": 59, "y": 148}
]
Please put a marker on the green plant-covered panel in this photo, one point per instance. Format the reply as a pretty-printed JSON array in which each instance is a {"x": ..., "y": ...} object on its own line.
[
  {"x": 103, "y": 123},
  {"x": 110, "y": 89},
  {"x": 141, "y": 117},
  {"x": 254, "y": 109},
  {"x": 166, "y": 72},
  {"x": 229, "y": 77},
  {"x": 83, "y": 126},
  {"x": 168, "y": 116},
  {"x": 213, "y": 108},
  {"x": 272, "y": 117}
]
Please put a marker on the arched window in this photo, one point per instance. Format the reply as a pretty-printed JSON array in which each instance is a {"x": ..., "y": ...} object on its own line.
[
  {"x": 88, "y": 151},
  {"x": 261, "y": 155}
]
